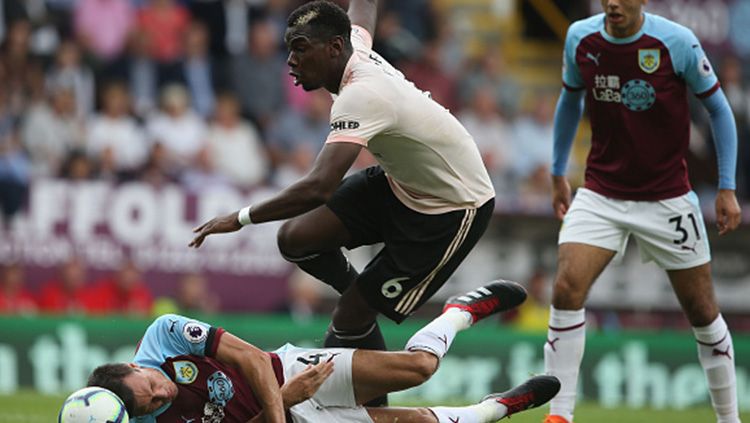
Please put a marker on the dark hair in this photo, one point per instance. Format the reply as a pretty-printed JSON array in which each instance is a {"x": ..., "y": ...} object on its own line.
[
  {"x": 110, "y": 376},
  {"x": 325, "y": 19}
]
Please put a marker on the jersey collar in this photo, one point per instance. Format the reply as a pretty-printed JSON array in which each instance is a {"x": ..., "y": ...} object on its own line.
[{"x": 626, "y": 40}]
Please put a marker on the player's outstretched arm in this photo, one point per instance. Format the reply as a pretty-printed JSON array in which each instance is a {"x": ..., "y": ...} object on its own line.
[
  {"x": 364, "y": 13},
  {"x": 256, "y": 367},
  {"x": 313, "y": 190}
]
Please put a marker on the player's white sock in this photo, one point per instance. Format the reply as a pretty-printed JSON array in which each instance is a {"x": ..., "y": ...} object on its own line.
[
  {"x": 488, "y": 411},
  {"x": 716, "y": 355},
  {"x": 563, "y": 353},
  {"x": 438, "y": 335}
]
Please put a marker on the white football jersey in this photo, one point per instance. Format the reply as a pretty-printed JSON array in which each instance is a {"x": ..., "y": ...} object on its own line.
[{"x": 432, "y": 163}]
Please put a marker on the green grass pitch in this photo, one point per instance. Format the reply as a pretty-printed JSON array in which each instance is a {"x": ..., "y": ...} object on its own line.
[{"x": 29, "y": 407}]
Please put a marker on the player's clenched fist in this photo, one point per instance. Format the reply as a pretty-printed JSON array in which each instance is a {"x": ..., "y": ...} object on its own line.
[{"x": 217, "y": 225}]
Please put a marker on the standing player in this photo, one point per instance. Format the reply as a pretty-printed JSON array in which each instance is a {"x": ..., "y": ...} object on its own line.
[
  {"x": 187, "y": 371},
  {"x": 429, "y": 201},
  {"x": 634, "y": 69}
]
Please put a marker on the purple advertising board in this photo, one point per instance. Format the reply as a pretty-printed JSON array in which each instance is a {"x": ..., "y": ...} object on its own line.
[{"x": 104, "y": 224}]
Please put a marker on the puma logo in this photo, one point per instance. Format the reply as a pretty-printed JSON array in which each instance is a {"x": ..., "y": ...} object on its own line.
[
  {"x": 593, "y": 58},
  {"x": 691, "y": 248},
  {"x": 552, "y": 343},
  {"x": 171, "y": 325},
  {"x": 187, "y": 420},
  {"x": 717, "y": 351}
]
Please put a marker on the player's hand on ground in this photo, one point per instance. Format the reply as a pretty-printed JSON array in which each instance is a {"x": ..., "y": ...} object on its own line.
[
  {"x": 728, "y": 213},
  {"x": 217, "y": 225},
  {"x": 560, "y": 195},
  {"x": 304, "y": 385}
]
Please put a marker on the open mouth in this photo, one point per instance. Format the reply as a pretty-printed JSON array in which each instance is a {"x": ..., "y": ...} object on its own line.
[
  {"x": 615, "y": 18},
  {"x": 295, "y": 76}
]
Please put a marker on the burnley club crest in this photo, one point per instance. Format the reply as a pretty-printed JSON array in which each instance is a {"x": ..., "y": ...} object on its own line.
[{"x": 649, "y": 59}]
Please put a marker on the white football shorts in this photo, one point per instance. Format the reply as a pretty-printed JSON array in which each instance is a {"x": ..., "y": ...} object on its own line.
[
  {"x": 334, "y": 402},
  {"x": 670, "y": 232}
]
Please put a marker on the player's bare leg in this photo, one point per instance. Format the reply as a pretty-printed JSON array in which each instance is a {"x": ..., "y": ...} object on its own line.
[
  {"x": 375, "y": 373},
  {"x": 694, "y": 289},
  {"x": 313, "y": 242},
  {"x": 578, "y": 267},
  {"x": 530, "y": 394}
]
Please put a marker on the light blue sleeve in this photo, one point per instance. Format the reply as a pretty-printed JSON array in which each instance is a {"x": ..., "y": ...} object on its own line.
[
  {"x": 571, "y": 75},
  {"x": 171, "y": 335},
  {"x": 567, "y": 115},
  {"x": 724, "y": 130},
  {"x": 689, "y": 60}
]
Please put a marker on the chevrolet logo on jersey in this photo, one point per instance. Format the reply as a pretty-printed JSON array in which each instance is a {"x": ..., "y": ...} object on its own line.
[
  {"x": 342, "y": 124},
  {"x": 649, "y": 59}
]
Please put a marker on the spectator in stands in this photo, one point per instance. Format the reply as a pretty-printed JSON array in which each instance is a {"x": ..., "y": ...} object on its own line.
[
  {"x": 14, "y": 297},
  {"x": 78, "y": 167},
  {"x": 44, "y": 35},
  {"x": 492, "y": 134},
  {"x": 304, "y": 299},
  {"x": 214, "y": 15},
  {"x": 532, "y": 142},
  {"x": 68, "y": 292},
  {"x": 15, "y": 168},
  {"x": 257, "y": 75},
  {"x": 177, "y": 127},
  {"x": 203, "y": 175},
  {"x": 198, "y": 69},
  {"x": 102, "y": 27},
  {"x": 295, "y": 138},
  {"x": 533, "y": 133},
  {"x": 159, "y": 169},
  {"x": 235, "y": 145},
  {"x": 115, "y": 139},
  {"x": 140, "y": 70},
  {"x": 124, "y": 292},
  {"x": 194, "y": 297},
  {"x": 163, "y": 24},
  {"x": 533, "y": 314},
  {"x": 489, "y": 72},
  {"x": 68, "y": 71},
  {"x": 393, "y": 41},
  {"x": 52, "y": 130},
  {"x": 428, "y": 75},
  {"x": 19, "y": 68}
]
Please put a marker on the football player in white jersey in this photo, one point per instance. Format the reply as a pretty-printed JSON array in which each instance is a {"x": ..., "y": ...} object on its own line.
[{"x": 429, "y": 200}]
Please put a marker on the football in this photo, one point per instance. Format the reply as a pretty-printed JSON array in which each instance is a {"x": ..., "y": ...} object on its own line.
[{"x": 93, "y": 405}]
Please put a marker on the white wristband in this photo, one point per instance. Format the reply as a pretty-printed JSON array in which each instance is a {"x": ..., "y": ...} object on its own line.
[{"x": 243, "y": 216}]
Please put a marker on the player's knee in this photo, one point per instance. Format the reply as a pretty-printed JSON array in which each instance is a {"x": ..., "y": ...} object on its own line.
[
  {"x": 422, "y": 366},
  {"x": 287, "y": 241},
  {"x": 566, "y": 296},
  {"x": 702, "y": 314}
]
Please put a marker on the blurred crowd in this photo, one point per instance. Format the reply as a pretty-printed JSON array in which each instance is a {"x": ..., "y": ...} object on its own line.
[
  {"x": 196, "y": 93},
  {"x": 72, "y": 291}
]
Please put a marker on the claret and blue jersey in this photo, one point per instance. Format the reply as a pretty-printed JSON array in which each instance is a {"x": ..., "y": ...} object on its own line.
[
  {"x": 208, "y": 390},
  {"x": 636, "y": 91}
]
